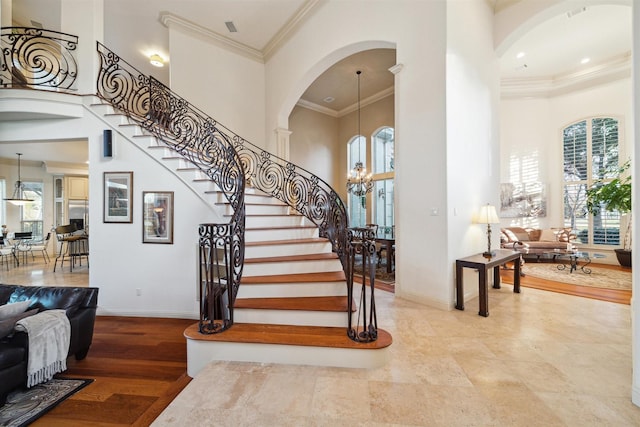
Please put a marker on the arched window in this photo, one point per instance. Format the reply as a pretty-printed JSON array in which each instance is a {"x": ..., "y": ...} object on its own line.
[
  {"x": 357, "y": 152},
  {"x": 591, "y": 152},
  {"x": 383, "y": 175}
]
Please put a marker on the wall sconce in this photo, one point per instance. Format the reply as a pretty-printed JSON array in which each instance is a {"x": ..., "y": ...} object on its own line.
[
  {"x": 107, "y": 143},
  {"x": 156, "y": 60},
  {"x": 488, "y": 215}
]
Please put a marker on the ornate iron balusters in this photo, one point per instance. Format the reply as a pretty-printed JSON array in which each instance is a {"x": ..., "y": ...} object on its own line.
[
  {"x": 217, "y": 292},
  {"x": 362, "y": 243},
  {"x": 37, "y": 57}
]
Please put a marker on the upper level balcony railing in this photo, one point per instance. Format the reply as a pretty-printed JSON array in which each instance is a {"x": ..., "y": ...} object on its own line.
[{"x": 35, "y": 57}]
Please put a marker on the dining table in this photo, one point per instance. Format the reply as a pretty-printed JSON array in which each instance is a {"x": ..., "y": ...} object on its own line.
[{"x": 386, "y": 236}]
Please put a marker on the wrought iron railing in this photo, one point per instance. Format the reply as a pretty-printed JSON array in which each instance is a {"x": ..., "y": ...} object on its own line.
[
  {"x": 34, "y": 57},
  {"x": 229, "y": 160},
  {"x": 199, "y": 139},
  {"x": 362, "y": 245}
]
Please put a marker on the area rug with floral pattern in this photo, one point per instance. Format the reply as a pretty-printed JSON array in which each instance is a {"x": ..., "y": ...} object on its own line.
[{"x": 597, "y": 277}]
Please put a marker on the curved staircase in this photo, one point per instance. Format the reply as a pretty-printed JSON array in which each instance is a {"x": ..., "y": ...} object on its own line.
[{"x": 292, "y": 304}]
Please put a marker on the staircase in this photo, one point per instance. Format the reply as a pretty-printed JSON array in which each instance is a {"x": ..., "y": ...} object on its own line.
[{"x": 292, "y": 304}]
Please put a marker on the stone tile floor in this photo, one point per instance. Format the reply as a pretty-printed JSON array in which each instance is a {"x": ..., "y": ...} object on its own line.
[{"x": 539, "y": 359}]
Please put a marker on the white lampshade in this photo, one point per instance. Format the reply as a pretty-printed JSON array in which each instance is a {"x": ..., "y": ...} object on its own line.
[{"x": 487, "y": 215}]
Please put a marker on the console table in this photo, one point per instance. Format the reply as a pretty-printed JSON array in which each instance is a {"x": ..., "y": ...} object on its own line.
[{"x": 482, "y": 264}]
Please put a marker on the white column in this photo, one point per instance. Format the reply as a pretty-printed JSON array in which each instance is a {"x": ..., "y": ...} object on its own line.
[
  {"x": 85, "y": 20},
  {"x": 282, "y": 141},
  {"x": 635, "y": 301}
]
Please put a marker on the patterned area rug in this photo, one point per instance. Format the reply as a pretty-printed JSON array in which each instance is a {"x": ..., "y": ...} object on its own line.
[
  {"x": 599, "y": 277},
  {"x": 381, "y": 273},
  {"x": 25, "y": 406}
]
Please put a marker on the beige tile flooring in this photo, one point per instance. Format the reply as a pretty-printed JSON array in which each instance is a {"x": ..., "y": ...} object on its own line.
[
  {"x": 36, "y": 272},
  {"x": 539, "y": 359}
]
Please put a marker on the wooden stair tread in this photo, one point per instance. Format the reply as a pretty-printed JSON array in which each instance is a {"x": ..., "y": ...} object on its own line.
[
  {"x": 288, "y": 241},
  {"x": 332, "y": 276},
  {"x": 314, "y": 336},
  {"x": 283, "y": 227},
  {"x": 331, "y": 303},
  {"x": 293, "y": 258},
  {"x": 286, "y": 215}
]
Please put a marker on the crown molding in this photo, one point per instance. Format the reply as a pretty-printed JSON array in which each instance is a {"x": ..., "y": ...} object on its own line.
[
  {"x": 351, "y": 108},
  {"x": 616, "y": 68},
  {"x": 317, "y": 108},
  {"x": 170, "y": 20},
  {"x": 292, "y": 25}
]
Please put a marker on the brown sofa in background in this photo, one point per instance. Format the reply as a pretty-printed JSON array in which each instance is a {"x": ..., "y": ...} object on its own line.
[{"x": 535, "y": 241}]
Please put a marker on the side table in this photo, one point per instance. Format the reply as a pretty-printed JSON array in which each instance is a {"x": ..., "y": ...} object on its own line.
[{"x": 482, "y": 264}]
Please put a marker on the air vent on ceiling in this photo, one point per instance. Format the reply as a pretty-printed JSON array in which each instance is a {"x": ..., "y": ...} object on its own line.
[
  {"x": 231, "y": 27},
  {"x": 575, "y": 12}
]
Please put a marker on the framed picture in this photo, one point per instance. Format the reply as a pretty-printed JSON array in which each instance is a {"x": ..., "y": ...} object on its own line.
[
  {"x": 157, "y": 215},
  {"x": 117, "y": 197}
]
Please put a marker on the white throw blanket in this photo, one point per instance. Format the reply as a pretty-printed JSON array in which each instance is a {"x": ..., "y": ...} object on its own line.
[{"x": 49, "y": 338}]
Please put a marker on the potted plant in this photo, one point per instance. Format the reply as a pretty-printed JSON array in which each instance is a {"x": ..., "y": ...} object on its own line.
[{"x": 614, "y": 195}]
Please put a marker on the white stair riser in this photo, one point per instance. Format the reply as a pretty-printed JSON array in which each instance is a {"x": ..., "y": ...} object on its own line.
[
  {"x": 201, "y": 353},
  {"x": 116, "y": 120},
  {"x": 294, "y": 267},
  {"x": 262, "y": 251},
  {"x": 281, "y": 290},
  {"x": 259, "y": 210},
  {"x": 253, "y": 221},
  {"x": 256, "y": 199},
  {"x": 290, "y": 317},
  {"x": 261, "y": 235}
]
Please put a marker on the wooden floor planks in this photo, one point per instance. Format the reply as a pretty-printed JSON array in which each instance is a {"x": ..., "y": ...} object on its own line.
[{"x": 138, "y": 365}]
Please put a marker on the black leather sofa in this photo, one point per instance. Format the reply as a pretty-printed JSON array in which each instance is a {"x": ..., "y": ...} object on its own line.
[{"x": 80, "y": 304}]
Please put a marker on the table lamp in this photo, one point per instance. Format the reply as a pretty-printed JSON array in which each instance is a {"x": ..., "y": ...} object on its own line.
[{"x": 488, "y": 215}]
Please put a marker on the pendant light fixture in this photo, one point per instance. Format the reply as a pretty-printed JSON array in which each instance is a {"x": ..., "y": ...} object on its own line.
[
  {"x": 18, "y": 198},
  {"x": 359, "y": 183}
]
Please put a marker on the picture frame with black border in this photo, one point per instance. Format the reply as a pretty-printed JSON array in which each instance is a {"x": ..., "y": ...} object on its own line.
[
  {"x": 157, "y": 217},
  {"x": 117, "y": 194}
]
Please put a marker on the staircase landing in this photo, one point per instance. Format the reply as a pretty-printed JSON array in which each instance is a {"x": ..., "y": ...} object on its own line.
[{"x": 290, "y": 344}]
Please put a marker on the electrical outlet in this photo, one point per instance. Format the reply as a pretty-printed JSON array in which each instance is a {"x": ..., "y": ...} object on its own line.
[{"x": 138, "y": 292}]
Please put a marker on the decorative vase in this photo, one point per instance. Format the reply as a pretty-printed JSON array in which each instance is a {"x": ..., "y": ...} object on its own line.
[{"x": 624, "y": 257}]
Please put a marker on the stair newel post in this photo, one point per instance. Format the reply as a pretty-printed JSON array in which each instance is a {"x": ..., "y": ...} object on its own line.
[
  {"x": 350, "y": 263},
  {"x": 366, "y": 328},
  {"x": 216, "y": 312}
]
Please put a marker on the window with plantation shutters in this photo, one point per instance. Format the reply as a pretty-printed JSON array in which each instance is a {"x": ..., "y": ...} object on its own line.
[{"x": 590, "y": 153}]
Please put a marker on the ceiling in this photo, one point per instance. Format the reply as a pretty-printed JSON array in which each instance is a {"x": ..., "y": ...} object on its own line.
[{"x": 552, "y": 49}]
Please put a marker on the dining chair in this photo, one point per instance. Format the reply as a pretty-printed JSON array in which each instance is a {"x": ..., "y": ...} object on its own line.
[
  {"x": 41, "y": 247},
  {"x": 6, "y": 252},
  {"x": 22, "y": 243}
]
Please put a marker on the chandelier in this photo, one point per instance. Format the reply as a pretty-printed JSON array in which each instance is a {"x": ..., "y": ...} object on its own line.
[
  {"x": 18, "y": 198},
  {"x": 359, "y": 182}
]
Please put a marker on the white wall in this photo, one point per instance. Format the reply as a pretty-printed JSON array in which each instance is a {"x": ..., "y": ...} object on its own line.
[
  {"x": 635, "y": 301},
  {"x": 120, "y": 263},
  {"x": 472, "y": 130},
  {"x": 226, "y": 86}
]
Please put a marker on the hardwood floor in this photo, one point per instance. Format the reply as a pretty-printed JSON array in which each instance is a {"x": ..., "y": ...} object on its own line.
[
  {"x": 611, "y": 295},
  {"x": 138, "y": 365}
]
